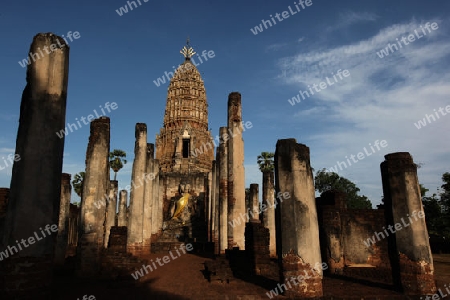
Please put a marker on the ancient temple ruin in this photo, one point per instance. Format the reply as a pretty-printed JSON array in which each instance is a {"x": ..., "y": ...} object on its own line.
[{"x": 189, "y": 188}]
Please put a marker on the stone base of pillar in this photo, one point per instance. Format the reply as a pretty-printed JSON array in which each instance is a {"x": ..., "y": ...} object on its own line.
[
  {"x": 309, "y": 282},
  {"x": 231, "y": 244},
  {"x": 216, "y": 246},
  {"x": 416, "y": 277},
  {"x": 89, "y": 250},
  {"x": 26, "y": 278},
  {"x": 138, "y": 249},
  {"x": 118, "y": 239},
  {"x": 257, "y": 239}
]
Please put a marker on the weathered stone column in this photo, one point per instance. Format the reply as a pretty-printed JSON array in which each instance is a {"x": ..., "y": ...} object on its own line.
[
  {"x": 95, "y": 188},
  {"x": 122, "y": 217},
  {"x": 74, "y": 219},
  {"x": 411, "y": 259},
  {"x": 63, "y": 222},
  {"x": 254, "y": 200},
  {"x": 217, "y": 206},
  {"x": 157, "y": 213},
  {"x": 298, "y": 247},
  {"x": 224, "y": 227},
  {"x": 111, "y": 208},
  {"x": 268, "y": 210},
  {"x": 4, "y": 194},
  {"x": 35, "y": 193},
  {"x": 148, "y": 198},
  {"x": 209, "y": 202},
  {"x": 212, "y": 213},
  {"x": 135, "y": 226},
  {"x": 236, "y": 171}
]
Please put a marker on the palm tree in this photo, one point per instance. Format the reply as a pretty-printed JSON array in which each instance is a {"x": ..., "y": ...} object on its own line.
[
  {"x": 117, "y": 160},
  {"x": 77, "y": 183},
  {"x": 265, "y": 161}
]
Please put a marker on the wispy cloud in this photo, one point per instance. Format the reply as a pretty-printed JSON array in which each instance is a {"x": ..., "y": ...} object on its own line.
[
  {"x": 275, "y": 47},
  {"x": 348, "y": 18},
  {"x": 381, "y": 99}
]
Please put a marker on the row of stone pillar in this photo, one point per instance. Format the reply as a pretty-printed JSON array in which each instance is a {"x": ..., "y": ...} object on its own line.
[
  {"x": 227, "y": 202},
  {"x": 145, "y": 212},
  {"x": 298, "y": 234}
]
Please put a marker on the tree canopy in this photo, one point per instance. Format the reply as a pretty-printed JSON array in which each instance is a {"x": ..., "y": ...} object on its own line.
[
  {"x": 117, "y": 160},
  {"x": 325, "y": 181},
  {"x": 77, "y": 183},
  {"x": 437, "y": 209},
  {"x": 265, "y": 161}
]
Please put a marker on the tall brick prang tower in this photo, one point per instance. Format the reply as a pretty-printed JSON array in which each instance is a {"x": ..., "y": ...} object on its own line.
[{"x": 185, "y": 130}]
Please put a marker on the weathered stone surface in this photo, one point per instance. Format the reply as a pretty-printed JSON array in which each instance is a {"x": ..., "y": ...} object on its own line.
[
  {"x": 122, "y": 216},
  {"x": 148, "y": 198},
  {"x": 236, "y": 171},
  {"x": 111, "y": 207},
  {"x": 344, "y": 235},
  {"x": 35, "y": 193},
  {"x": 95, "y": 191},
  {"x": 73, "y": 230},
  {"x": 268, "y": 209},
  {"x": 410, "y": 248},
  {"x": 257, "y": 247},
  {"x": 4, "y": 195},
  {"x": 63, "y": 222},
  {"x": 254, "y": 203},
  {"x": 298, "y": 237},
  {"x": 186, "y": 123},
  {"x": 225, "y": 229},
  {"x": 135, "y": 220}
]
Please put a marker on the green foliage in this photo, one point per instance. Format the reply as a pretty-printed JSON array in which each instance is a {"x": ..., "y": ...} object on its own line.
[
  {"x": 265, "y": 161},
  {"x": 445, "y": 193},
  {"x": 77, "y": 183},
  {"x": 325, "y": 181},
  {"x": 437, "y": 209},
  {"x": 117, "y": 160}
]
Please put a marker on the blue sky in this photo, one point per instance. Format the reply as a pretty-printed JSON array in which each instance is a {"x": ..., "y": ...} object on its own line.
[{"x": 117, "y": 58}]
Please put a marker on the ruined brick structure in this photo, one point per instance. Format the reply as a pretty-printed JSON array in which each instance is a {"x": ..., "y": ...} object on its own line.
[
  {"x": 180, "y": 195},
  {"x": 342, "y": 235}
]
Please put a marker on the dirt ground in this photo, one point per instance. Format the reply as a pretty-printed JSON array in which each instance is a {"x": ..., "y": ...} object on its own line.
[{"x": 183, "y": 279}]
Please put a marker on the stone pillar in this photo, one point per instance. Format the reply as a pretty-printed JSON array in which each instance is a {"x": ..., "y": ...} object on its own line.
[
  {"x": 411, "y": 259},
  {"x": 36, "y": 178},
  {"x": 135, "y": 226},
  {"x": 63, "y": 222},
  {"x": 224, "y": 227},
  {"x": 212, "y": 205},
  {"x": 148, "y": 198},
  {"x": 254, "y": 202},
  {"x": 236, "y": 171},
  {"x": 111, "y": 208},
  {"x": 95, "y": 188},
  {"x": 4, "y": 194},
  {"x": 268, "y": 210},
  {"x": 217, "y": 207},
  {"x": 157, "y": 212},
  {"x": 298, "y": 244},
  {"x": 122, "y": 217},
  {"x": 74, "y": 218},
  {"x": 209, "y": 201}
]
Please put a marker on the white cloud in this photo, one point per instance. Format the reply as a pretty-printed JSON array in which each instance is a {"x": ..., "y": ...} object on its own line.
[
  {"x": 381, "y": 99},
  {"x": 275, "y": 47},
  {"x": 348, "y": 18}
]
